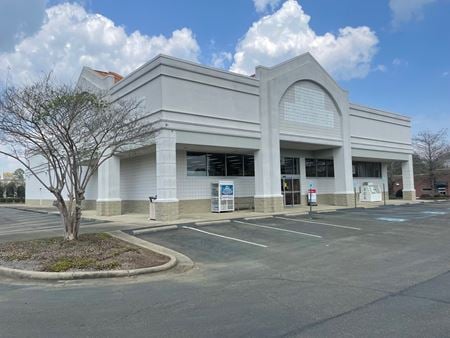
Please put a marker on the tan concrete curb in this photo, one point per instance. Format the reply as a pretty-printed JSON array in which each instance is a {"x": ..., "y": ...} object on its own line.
[
  {"x": 212, "y": 222},
  {"x": 27, "y": 274},
  {"x": 154, "y": 229},
  {"x": 257, "y": 217},
  {"x": 182, "y": 260}
]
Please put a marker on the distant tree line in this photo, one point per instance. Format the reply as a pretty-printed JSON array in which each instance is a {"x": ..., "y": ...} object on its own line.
[{"x": 12, "y": 187}]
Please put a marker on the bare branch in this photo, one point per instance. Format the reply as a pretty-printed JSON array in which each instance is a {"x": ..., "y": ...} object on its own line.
[{"x": 73, "y": 132}]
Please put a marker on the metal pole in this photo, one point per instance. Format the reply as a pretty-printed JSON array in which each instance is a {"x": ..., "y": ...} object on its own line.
[
  {"x": 384, "y": 194},
  {"x": 355, "y": 195},
  {"x": 310, "y": 204}
]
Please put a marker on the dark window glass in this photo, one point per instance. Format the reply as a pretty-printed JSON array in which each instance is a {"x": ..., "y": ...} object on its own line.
[
  {"x": 366, "y": 169},
  {"x": 330, "y": 168},
  {"x": 296, "y": 197},
  {"x": 249, "y": 165},
  {"x": 296, "y": 185},
  {"x": 321, "y": 168},
  {"x": 216, "y": 164},
  {"x": 235, "y": 165},
  {"x": 376, "y": 170},
  {"x": 310, "y": 167},
  {"x": 202, "y": 164},
  {"x": 290, "y": 166},
  {"x": 296, "y": 166},
  {"x": 196, "y": 164}
]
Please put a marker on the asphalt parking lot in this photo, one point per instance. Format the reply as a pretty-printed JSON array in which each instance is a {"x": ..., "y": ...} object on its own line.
[
  {"x": 22, "y": 225},
  {"x": 289, "y": 234},
  {"x": 397, "y": 257},
  {"x": 352, "y": 273}
]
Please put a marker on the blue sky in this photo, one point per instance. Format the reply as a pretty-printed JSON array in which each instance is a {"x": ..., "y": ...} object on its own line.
[
  {"x": 416, "y": 53},
  {"x": 394, "y": 54}
]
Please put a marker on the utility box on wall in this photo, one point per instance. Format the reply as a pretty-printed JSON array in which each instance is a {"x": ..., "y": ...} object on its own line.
[{"x": 222, "y": 196}]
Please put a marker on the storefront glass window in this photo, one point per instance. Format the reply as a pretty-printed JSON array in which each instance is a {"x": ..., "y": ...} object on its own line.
[
  {"x": 203, "y": 164},
  {"x": 235, "y": 165},
  {"x": 196, "y": 164},
  {"x": 216, "y": 164},
  {"x": 319, "y": 168},
  {"x": 249, "y": 165}
]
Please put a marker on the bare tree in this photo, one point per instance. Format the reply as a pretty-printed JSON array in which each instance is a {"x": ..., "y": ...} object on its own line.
[
  {"x": 394, "y": 168},
  {"x": 72, "y": 132},
  {"x": 430, "y": 148}
]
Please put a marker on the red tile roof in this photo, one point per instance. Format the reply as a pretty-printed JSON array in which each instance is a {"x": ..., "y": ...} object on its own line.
[{"x": 117, "y": 77}]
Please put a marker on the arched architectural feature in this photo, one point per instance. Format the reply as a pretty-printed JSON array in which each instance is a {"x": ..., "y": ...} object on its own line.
[{"x": 306, "y": 108}]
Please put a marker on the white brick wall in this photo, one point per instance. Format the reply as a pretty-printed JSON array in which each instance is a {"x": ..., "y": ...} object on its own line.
[
  {"x": 34, "y": 190},
  {"x": 91, "y": 189},
  {"x": 138, "y": 177},
  {"x": 324, "y": 185}
]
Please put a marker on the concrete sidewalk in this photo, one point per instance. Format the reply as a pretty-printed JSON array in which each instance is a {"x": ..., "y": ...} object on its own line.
[{"x": 141, "y": 220}]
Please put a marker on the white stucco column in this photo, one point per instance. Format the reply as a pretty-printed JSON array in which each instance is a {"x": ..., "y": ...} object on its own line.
[
  {"x": 268, "y": 196},
  {"x": 409, "y": 192},
  {"x": 384, "y": 178},
  {"x": 303, "y": 181},
  {"x": 166, "y": 175},
  {"x": 343, "y": 173},
  {"x": 108, "y": 194}
]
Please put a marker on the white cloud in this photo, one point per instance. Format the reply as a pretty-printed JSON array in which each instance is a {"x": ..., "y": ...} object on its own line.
[
  {"x": 18, "y": 19},
  {"x": 221, "y": 60},
  {"x": 381, "y": 68},
  {"x": 286, "y": 34},
  {"x": 71, "y": 38},
  {"x": 263, "y": 5},
  {"x": 445, "y": 74},
  {"x": 407, "y": 10},
  {"x": 400, "y": 62}
]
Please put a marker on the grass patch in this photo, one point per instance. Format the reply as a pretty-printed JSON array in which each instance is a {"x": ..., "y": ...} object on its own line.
[{"x": 65, "y": 264}]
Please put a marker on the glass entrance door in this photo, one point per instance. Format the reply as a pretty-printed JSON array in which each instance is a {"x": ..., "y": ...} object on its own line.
[
  {"x": 290, "y": 180},
  {"x": 290, "y": 187}
]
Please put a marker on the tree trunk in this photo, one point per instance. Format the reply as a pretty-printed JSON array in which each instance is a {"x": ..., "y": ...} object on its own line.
[
  {"x": 69, "y": 218},
  {"x": 433, "y": 184},
  {"x": 76, "y": 220}
]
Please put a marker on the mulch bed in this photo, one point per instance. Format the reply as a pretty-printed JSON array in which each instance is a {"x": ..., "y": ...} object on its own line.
[{"x": 91, "y": 252}]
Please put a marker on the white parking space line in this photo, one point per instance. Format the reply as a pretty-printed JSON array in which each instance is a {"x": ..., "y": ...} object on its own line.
[
  {"x": 27, "y": 231},
  {"x": 279, "y": 229},
  {"x": 434, "y": 212},
  {"x": 25, "y": 227},
  {"x": 226, "y": 237},
  {"x": 35, "y": 223},
  {"x": 391, "y": 219},
  {"x": 313, "y": 222}
]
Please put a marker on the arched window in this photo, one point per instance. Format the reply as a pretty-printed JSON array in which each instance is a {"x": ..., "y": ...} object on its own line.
[{"x": 307, "y": 108}]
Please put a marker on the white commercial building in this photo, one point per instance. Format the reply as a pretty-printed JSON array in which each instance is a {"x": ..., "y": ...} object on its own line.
[{"x": 274, "y": 134}]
